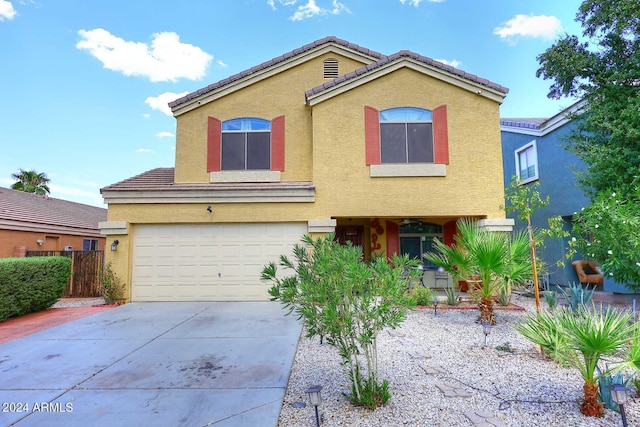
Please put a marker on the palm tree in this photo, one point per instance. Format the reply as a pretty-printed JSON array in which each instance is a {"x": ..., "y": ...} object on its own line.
[
  {"x": 581, "y": 339},
  {"x": 490, "y": 259},
  {"x": 31, "y": 182}
]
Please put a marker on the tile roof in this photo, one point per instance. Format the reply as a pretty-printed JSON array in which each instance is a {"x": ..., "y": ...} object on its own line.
[
  {"x": 161, "y": 179},
  {"x": 274, "y": 61},
  {"x": 406, "y": 54},
  {"x": 527, "y": 123},
  {"x": 18, "y": 206}
]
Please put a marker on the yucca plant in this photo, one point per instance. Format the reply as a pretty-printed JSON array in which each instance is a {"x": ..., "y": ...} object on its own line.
[{"x": 581, "y": 339}]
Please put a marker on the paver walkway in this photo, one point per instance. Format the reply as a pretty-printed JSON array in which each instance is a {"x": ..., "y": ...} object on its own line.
[{"x": 18, "y": 327}]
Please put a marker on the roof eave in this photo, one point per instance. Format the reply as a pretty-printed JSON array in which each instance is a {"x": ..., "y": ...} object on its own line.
[
  {"x": 234, "y": 84},
  {"x": 406, "y": 62}
]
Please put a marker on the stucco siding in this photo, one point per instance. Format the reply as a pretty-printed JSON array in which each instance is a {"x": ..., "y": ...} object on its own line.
[
  {"x": 474, "y": 177},
  {"x": 281, "y": 94}
]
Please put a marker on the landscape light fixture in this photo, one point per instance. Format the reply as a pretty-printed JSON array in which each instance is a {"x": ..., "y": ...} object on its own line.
[
  {"x": 486, "y": 330},
  {"x": 316, "y": 400},
  {"x": 619, "y": 395},
  {"x": 114, "y": 245},
  {"x": 435, "y": 306}
]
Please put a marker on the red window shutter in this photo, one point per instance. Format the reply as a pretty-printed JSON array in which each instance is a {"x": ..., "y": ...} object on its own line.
[
  {"x": 214, "y": 144},
  {"x": 277, "y": 144},
  {"x": 372, "y": 135},
  {"x": 393, "y": 238},
  {"x": 440, "y": 135}
]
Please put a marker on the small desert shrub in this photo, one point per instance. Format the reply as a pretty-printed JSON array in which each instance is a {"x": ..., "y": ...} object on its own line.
[
  {"x": 113, "y": 288},
  {"x": 452, "y": 297},
  {"x": 551, "y": 297},
  {"x": 421, "y": 295}
]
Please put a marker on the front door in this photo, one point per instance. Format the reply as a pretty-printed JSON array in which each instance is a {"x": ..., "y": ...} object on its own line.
[{"x": 350, "y": 233}]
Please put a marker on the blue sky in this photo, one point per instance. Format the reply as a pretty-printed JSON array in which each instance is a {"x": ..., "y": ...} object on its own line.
[{"x": 84, "y": 83}]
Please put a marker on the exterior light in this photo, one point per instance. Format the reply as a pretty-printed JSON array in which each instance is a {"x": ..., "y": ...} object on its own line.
[
  {"x": 435, "y": 306},
  {"x": 619, "y": 395},
  {"x": 114, "y": 245},
  {"x": 316, "y": 400},
  {"x": 486, "y": 330}
]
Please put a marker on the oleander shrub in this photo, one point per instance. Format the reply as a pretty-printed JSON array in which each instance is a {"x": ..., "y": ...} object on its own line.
[{"x": 31, "y": 284}]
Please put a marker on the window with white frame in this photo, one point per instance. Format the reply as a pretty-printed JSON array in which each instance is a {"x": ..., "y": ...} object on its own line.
[
  {"x": 527, "y": 162},
  {"x": 246, "y": 144},
  {"x": 406, "y": 135}
]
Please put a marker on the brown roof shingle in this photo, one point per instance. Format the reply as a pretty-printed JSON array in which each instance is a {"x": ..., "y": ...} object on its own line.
[{"x": 34, "y": 209}]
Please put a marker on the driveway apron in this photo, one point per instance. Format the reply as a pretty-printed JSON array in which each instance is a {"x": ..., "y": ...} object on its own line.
[{"x": 153, "y": 364}]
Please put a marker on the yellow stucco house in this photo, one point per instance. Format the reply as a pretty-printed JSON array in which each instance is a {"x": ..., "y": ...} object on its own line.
[{"x": 387, "y": 151}]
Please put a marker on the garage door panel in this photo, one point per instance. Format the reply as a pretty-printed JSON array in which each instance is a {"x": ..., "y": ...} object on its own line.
[{"x": 212, "y": 262}]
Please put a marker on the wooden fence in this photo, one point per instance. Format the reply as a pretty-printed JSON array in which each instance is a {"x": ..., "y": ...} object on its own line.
[{"x": 85, "y": 271}]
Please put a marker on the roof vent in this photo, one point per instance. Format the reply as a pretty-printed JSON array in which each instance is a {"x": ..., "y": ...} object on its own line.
[{"x": 330, "y": 68}]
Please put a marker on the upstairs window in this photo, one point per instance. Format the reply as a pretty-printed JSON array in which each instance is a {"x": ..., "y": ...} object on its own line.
[
  {"x": 527, "y": 162},
  {"x": 330, "y": 68},
  {"x": 246, "y": 144},
  {"x": 406, "y": 135}
]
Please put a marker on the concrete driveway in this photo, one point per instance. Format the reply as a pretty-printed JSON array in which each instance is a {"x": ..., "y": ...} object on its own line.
[{"x": 153, "y": 364}]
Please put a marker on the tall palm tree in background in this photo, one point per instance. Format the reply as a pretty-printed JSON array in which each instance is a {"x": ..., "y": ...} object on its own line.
[{"x": 31, "y": 182}]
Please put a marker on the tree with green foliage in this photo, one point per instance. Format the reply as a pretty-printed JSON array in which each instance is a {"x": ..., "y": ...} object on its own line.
[
  {"x": 349, "y": 302},
  {"x": 608, "y": 231},
  {"x": 604, "y": 71},
  {"x": 31, "y": 182}
]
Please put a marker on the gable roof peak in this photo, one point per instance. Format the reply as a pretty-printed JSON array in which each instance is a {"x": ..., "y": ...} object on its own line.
[{"x": 371, "y": 54}]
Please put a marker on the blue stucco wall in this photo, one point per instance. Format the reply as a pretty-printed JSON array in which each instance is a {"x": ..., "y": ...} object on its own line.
[{"x": 557, "y": 180}]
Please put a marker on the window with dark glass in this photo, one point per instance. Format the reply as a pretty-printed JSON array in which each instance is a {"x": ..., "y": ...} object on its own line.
[
  {"x": 89, "y": 244},
  {"x": 406, "y": 135},
  {"x": 246, "y": 144}
]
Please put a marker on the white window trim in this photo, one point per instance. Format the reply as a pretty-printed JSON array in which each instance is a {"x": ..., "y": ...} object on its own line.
[
  {"x": 516, "y": 154},
  {"x": 407, "y": 169}
]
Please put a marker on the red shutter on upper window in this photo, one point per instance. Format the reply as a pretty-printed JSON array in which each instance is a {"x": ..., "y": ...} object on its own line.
[
  {"x": 372, "y": 135},
  {"x": 277, "y": 144},
  {"x": 440, "y": 135},
  {"x": 214, "y": 144}
]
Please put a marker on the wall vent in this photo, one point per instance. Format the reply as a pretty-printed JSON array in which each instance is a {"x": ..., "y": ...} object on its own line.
[{"x": 330, "y": 68}]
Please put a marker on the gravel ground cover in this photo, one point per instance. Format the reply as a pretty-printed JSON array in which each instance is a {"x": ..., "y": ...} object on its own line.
[{"x": 428, "y": 354}]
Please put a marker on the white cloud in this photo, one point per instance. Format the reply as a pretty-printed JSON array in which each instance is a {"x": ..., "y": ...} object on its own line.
[
  {"x": 76, "y": 195},
  {"x": 540, "y": 26},
  {"x": 165, "y": 59},
  {"x": 220, "y": 63},
  {"x": 146, "y": 115},
  {"x": 454, "y": 62},
  {"x": 165, "y": 134},
  {"x": 310, "y": 8},
  {"x": 161, "y": 101},
  {"x": 416, "y": 3},
  {"x": 144, "y": 150},
  {"x": 6, "y": 10}
]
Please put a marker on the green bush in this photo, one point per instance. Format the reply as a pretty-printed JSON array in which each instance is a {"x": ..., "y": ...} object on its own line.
[
  {"x": 32, "y": 284},
  {"x": 113, "y": 289},
  {"x": 421, "y": 295}
]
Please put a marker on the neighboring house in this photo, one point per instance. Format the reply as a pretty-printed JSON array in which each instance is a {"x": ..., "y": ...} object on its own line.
[
  {"x": 387, "y": 151},
  {"x": 534, "y": 150},
  {"x": 29, "y": 222}
]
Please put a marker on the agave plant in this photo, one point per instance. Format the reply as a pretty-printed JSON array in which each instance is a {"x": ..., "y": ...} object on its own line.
[
  {"x": 581, "y": 339},
  {"x": 491, "y": 259}
]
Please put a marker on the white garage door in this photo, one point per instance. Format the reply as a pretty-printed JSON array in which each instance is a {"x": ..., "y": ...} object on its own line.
[{"x": 207, "y": 262}]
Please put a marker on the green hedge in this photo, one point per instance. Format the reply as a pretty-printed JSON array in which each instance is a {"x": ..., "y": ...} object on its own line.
[{"x": 32, "y": 284}]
